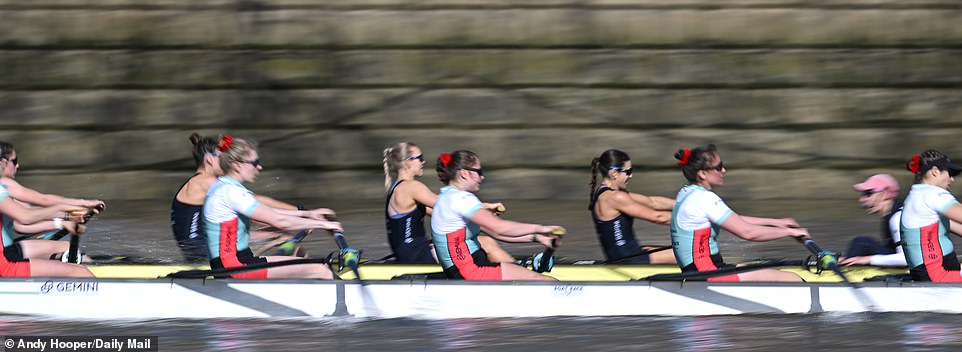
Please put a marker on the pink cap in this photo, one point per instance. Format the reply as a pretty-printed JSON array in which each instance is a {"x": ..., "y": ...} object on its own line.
[{"x": 879, "y": 183}]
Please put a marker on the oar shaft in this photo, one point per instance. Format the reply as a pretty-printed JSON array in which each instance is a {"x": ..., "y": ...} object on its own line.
[
  {"x": 340, "y": 240},
  {"x": 74, "y": 252}
]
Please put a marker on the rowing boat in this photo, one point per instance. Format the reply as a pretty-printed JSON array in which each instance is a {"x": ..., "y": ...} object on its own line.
[
  {"x": 563, "y": 272},
  {"x": 585, "y": 290}
]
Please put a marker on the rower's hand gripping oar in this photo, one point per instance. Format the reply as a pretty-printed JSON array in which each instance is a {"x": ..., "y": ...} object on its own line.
[
  {"x": 73, "y": 253},
  {"x": 544, "y": 261}
]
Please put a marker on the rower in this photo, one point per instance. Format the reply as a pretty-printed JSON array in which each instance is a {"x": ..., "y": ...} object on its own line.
[
  {"x": 929, "y": 214},
  {"x": 409, "y": 200},
  {"x": 879, "y": 195},
  {"x": 37, "y": 247},
  {"x": 699, "y": 212},
  {"x": 614, "y": 212},
  {"x": 185, "y": 209},
  {"x": 459, "y": 216},
  {"x": 229, "y": 208},
  {"x": 13, "y": 262}
]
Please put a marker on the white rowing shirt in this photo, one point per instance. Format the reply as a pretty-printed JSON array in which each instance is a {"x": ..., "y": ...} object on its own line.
[
  {"x": 452, "y": 213},
  {"x": 922, "y": 217},
  {"x": 227, "y": 211}
]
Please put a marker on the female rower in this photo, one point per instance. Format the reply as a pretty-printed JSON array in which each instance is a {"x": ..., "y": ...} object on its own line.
[
  {"x": 185, "y": 209},
  {"x": 230, "y": 207},
  {"x": 39, "y": 248},
  {"x": 699, "y": 212},
  {"x": 408, "y": 200},
  {"x": 459, "y": 216},
  {"x": 13, "y": 262},
  {"x": 619, "y": 208},
  {"x": 928, "y": 214}
]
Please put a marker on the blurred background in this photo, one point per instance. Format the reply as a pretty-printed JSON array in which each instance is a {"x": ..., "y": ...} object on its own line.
[{"x": 803, "y": 98}]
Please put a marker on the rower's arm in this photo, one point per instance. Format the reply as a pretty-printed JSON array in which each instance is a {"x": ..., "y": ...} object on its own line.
[
  {"x": 25, "y": 215},
  {"x": 287, "y": 222},
  {"x": 274, "y": 203},
  {"x": 510, "y": 231},
  {"x": 423, "y": 195},
  {"x": 37, "y": 227},
  {"x": 654, "y": 202},
  {"x": 786, "y": 222},
  {"x": 28, "y": 195},
  {"x": 954, "y": 213},
  {"x": 626, "y": 204},
  {"x": 737, "y": 225}
]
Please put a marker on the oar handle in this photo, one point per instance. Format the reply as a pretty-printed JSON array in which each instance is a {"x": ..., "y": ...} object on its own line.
[
  {"x": 90, "y": 213},
  {"x": 349, "y": 257},
  {"x": 73, "y": 253},
  {"x": 826, "y": 259},
  {"x": 544, "y": 261}
]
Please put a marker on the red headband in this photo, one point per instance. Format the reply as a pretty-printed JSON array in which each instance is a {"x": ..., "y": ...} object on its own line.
[
  {"x": 684, "y": 158},
  {"x": 225, "y": 143},
  {"x": 914, "y": 165},
  {"x": 445, "y": 159}
]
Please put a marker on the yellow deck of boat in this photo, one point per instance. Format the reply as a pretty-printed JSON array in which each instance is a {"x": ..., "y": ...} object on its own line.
[{"x": 562, "y": 272}]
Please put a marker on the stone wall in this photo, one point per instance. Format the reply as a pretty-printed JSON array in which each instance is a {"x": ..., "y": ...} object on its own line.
[{"x": 803, "y": 97}]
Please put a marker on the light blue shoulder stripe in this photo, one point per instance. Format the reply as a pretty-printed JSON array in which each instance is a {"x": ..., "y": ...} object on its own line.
[
  {"x": 250, "y": 210},
  {"x": 947, "y": 205},
  {"x": 724, "y": 217},
  {"x": 474, "y": 210}
]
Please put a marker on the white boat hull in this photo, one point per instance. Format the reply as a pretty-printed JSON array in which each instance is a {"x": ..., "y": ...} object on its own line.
[{"x": 99, "y": 299}]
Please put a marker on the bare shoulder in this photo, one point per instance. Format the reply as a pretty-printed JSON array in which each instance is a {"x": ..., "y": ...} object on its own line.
[
  {"x": 9, "y": 182},
  {"x": 617, "y": 196}
]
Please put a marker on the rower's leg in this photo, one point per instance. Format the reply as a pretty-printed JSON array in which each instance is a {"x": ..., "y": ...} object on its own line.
[
  {"x": 42, "y": 249},
  {"x": 45, "y": 249},
  {"x": 770, "y": 275},
  {"x": 50, "y": 268},
  {"x": 510, "y": 271},
  {"x": 496, "y": 254},
  {"x": 662, "y": 257},
  {"x": 307, "y": 271}
]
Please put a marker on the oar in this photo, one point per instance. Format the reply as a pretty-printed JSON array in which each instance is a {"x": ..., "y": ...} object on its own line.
[
  {"x": 73, "y": 254},
  {"x": 289, "y": 247},
  {"x": 348, "y": 256},
  {"x": 60, "y": 234},
  {"x": 544, "y": 261},
  {"x": 829, "y": 260}
]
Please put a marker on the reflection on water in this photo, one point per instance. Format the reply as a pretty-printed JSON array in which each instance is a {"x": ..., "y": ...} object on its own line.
[
  {"x": 700, "y": 335},
  {"x": 844, "y": 332}
]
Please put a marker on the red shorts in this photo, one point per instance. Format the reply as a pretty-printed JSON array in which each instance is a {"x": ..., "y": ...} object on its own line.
[
  {"x": 470, "y": 267},
  {"x": 12, "y": 263},
  {"x": 241, "y": 259},
  {"x": 15, "y": 269}
]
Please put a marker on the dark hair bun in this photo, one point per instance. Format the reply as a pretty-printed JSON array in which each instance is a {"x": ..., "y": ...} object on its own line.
[
  {"x": 680, "y": 154},
  {"x": 195, "y": 138}
]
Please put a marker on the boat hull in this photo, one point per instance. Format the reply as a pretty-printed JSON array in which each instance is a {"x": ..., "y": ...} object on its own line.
[{"x": 98, "y": 299}]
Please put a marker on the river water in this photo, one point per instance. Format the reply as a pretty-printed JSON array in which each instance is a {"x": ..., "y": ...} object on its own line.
[{"x": 141, "y": 229}]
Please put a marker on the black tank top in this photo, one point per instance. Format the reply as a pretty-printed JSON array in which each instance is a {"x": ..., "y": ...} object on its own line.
[
  {"x": 406, "y": 233},
  {"x": 188, "y": 228},
  {"x": 617, "y": 235}
]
